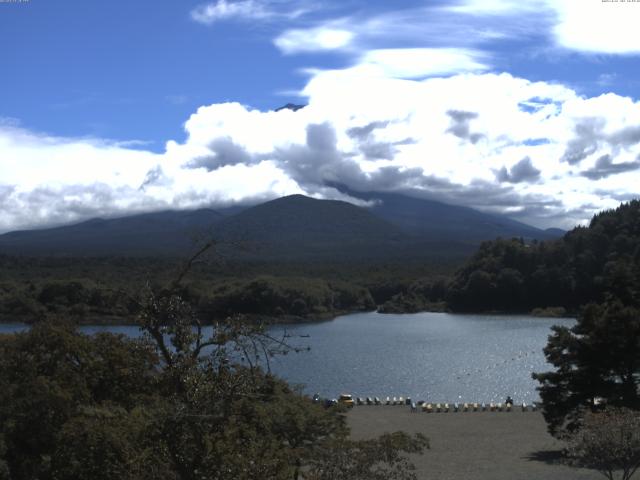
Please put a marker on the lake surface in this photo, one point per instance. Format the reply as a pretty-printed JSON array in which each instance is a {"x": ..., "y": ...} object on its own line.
[{"x": 430, "y": 356}]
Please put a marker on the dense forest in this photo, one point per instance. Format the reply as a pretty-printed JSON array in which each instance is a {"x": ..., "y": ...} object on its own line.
[
  {"x": 589, "y": 264},
  {"x": 555, "y": 277},
  {"x": 98, "y": 289}
]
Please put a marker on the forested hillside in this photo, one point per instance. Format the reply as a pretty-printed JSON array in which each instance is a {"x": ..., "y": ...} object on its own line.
[
  {"x": 100, "y": 289},
  {"x": 589, "y": 264}
]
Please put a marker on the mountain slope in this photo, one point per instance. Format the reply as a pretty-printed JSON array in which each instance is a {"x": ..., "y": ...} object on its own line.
[
  {"x": 293, "y": 228},
  {"x": 299, "y": 227},
  {"x": 144, "y": 234},
  {"x": 436, "y": 221}
]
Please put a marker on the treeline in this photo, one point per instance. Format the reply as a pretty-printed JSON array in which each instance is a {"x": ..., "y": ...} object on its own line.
[
  {"x": 103, "y": 290},
  {"x": 589, "y": 264},
  {"x": 287, "y": 296}
]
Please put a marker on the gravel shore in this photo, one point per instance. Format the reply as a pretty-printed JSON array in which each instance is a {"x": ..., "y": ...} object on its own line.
[{"x": 473, "y": 445}]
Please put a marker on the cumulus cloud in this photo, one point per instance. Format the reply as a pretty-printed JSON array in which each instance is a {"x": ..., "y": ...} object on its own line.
[
  {"x": 522, "y": 171},
  {"x": 588, "y": 132},
  {"x": 155, "y": 177},
  {"x": 460, "y": 125},
  {"x": 223, "y": 152},
  {"x": 434, "y": 137},
  {"x": 605, "y": 167}
]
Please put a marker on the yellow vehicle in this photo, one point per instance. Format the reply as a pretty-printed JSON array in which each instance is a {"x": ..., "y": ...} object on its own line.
[{"x": 346, "y": 400}]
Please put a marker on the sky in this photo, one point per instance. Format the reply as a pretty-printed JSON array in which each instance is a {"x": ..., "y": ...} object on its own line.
[{"x": 525, "y": 108}]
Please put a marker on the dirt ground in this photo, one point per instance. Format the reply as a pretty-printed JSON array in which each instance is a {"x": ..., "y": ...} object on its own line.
[{"x": 473, "y": 445}]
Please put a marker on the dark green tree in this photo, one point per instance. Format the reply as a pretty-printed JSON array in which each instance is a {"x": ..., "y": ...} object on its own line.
[
  {"x": 185, "y": 401},
  {"x": 598, "y": 358}
]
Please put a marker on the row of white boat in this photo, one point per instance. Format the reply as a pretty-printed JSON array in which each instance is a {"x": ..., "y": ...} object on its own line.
[{"x": 447, "y": 407}]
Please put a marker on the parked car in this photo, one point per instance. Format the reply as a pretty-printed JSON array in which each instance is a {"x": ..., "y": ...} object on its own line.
[{"x": 346, "y": 400}]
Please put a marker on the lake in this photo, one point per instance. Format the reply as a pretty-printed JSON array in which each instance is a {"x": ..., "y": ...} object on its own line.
[{"x": 430, "y": 356}]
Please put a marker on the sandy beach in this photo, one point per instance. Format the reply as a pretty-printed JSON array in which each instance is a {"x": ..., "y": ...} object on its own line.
[{"x": 473, "y": 445}]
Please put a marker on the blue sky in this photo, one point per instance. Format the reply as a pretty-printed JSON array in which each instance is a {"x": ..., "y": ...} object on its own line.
[{"x": 524, "y": 108}]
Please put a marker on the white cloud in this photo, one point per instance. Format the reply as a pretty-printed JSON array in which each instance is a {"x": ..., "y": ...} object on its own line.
[
  {"x": 314, "y": 40},
  {"x": 372, "y": 131},
  {"x": 598, "y": 26},
  {"x": 220, "y": 10},
  {"x": 494, "y": 7},
  {"x": 488, "y": 141},
  {"x": 589, "y": 26},
  {"x": 422, "y": 62},
  {"x": 223, "y": 10}
]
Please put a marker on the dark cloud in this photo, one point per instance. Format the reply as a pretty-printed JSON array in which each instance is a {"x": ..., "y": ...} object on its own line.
[
  {"x": 625, "y": 137},
  {"x": 460, "y": 125},
  {"x": 605, "y": 167},
  {"x": 523, "y": 171},
  {"x": 616, "y": 195},
  {"x": 555, "y": 214},
  {"x": 589, "y": 136},
  {"x": 378, "y": 151},
  {"x": 588, "y": 132},
  {"x": 363, "y": 133},
  {"x": 369, "y": 147},
  {"x": 322, "y": 137},
  {"x": 319, "y": 164},
  {"x": 5, "y": 193},
  {"x": 223, "y": 152},
  {"x": 318, "y": 161},
  {"x": 155, "y": 177}
]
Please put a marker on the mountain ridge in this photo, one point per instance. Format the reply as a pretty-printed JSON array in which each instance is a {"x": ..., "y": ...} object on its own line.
[{"x": 293, "y": 227}]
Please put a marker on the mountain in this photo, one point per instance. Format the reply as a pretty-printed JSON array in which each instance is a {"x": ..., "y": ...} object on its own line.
[
  {"x": 298, "y": 227},
  {"x": 144, "y": 234},
  {"x": 291, "y": 106},
  {"x": 293, "y": 228},
  {"x": 437, "y": 221}
]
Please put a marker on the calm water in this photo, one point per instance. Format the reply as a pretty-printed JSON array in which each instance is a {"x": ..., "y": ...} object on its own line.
[
  {"x": 434, "y": 356},
  {"x": 429, "y": 356}
]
